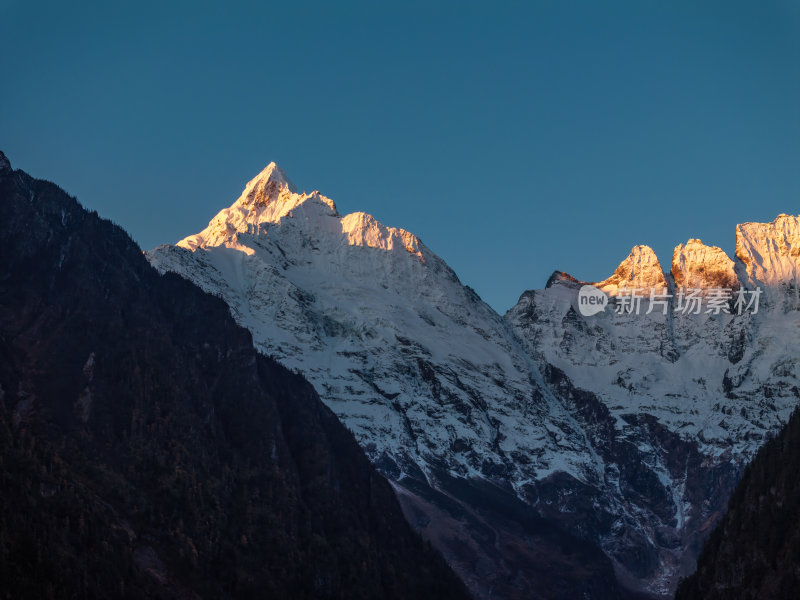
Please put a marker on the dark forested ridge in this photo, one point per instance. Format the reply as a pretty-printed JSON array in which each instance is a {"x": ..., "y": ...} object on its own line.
[
  {"x": 755, "y": 551},
  {"x": 147, "y": 450}
]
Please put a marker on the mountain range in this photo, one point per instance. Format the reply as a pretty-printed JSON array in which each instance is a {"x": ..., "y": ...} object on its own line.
[
  {"x": 147, "y": 450},
  {"x": 543, "y": 452},
  {"x": 278, "y": 417}
]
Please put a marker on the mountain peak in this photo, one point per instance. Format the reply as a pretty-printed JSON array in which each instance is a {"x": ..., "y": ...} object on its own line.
[
  {"x": 268, "y": 184},
  {"x": 695, "y": 265},
  {"x": 5, "y": 164},
  {"x": 641, "y": 270},
  {"x": 560, "y": 277},
  {"x": 267, "y": 199}
]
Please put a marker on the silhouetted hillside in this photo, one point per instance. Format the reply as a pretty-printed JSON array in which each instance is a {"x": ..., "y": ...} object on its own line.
[{"x": 755, "y": 551}]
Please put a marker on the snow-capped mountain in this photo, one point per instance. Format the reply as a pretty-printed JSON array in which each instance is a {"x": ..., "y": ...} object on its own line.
[
  {"x": 721, "y": 381},
  {"x": 519, "y": 444},
  {"x": 680, "y": 366},
  {"x": 409, "y": 358}
]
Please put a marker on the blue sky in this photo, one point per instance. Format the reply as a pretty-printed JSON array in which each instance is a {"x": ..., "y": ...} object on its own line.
[{"x": 514, "y": 139}]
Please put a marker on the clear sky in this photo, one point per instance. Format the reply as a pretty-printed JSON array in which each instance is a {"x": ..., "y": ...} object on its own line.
[{"x": 513, "y": 138}]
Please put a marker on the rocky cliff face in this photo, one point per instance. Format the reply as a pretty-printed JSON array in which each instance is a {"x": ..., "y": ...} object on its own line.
[
  {"x": 695, "y": 265},
  {"x": 607, "y": 444},
  {"x": 770, "y": 252},
  {"x": 147, "y": 450},
  {"x": 641, "y": 270}
]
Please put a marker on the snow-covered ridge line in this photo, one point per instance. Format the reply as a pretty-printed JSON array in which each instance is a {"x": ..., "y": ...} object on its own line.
[
  {"x": 767, "y": 255},
  {"x": 270, "y": 197}
]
